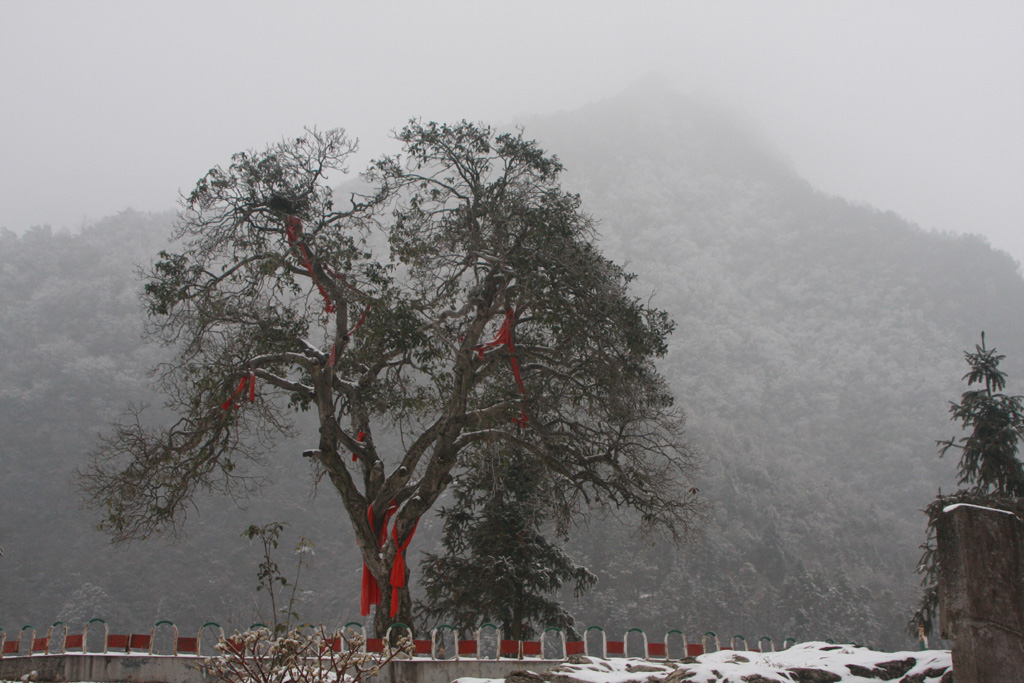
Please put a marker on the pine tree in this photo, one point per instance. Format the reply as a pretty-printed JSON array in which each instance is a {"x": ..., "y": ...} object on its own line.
[
  {"x": 498, "y": 566},
  {"x": 989, "y": 465},
  {"x": 988, "y": 455}
]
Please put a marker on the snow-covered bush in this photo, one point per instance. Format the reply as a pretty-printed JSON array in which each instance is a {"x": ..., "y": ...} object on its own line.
[{"x": 312, "y": 656}]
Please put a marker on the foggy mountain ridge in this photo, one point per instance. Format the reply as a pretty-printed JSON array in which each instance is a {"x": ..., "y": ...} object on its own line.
[
  {"x": 818, "y": 343},
  {"x": 817, "y": 346}
]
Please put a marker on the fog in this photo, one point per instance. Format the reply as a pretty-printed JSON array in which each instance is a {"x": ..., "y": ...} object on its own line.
[
  {"x": 818, "y": 341},
  {"x": 913, "y": 106}
]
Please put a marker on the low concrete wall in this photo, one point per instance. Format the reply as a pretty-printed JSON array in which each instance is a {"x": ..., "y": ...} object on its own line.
[
  {"x": 183, "y": 669},
  {"x": 446, "y": 671},
  {"x": 104, "y": 668}
]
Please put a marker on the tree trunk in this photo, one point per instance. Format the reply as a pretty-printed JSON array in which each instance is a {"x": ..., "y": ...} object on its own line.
[
  {"x": 517, "y": 613},
  {"x": 382, "y": 619},
  {"x": 380, "y": 560}
]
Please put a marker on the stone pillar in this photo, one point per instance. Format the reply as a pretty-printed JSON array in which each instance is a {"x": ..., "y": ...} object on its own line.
[{"x": 981, "y": 592}]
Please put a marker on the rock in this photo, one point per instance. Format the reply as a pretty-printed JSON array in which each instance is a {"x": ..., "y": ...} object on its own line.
[
  {"x": 680, "y": 675},
  {"x": 567, "y": 677},
  {"x": 862, "y": 671},
  {"x": 814, "y": 676},
  {"x": 645, "y": 668},
  {"x": 524, "y": 677},
  {"x": 930, "y": 675},
  {"x": 886, "y": 671},
  {"x": 757, "y": 678},
  {"x": 895, "y": 668}
]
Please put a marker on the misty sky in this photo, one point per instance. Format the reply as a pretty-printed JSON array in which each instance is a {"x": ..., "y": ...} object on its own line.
[{"x": 916, "y": 107}]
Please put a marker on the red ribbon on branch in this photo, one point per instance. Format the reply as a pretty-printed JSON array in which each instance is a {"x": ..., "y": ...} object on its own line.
[
  {"x": 398, "y": 568},
  {"x": 355, "y": 327},
  {"x": 359, "y": 323},
  {"x": 505, "y": 337},
  {"x": 355, "y": 458},
  {"x": 292, "y": 230},
  {"x": 370, "y": 594},
  {"x": 502, "y": 338},
  {"x": 247, "y": 380}
]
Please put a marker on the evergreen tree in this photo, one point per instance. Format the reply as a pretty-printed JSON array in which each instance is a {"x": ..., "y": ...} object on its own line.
[
  {"x": 989, "y": 465},
  {"x": 498, "y": 566},
  {"x": 988, "y": 455}
]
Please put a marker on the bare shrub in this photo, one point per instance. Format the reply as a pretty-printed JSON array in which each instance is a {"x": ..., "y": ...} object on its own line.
[{"x": 312, "y": 656}]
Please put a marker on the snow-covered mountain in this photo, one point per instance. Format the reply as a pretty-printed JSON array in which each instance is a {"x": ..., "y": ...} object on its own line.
[{"x": 817, "y": 345}]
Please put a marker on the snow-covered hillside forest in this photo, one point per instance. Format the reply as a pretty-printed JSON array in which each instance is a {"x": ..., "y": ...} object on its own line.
[{"x": 817, "y": 346}]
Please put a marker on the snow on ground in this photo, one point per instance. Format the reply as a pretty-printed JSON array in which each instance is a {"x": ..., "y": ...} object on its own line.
[{"x": 814, "y": 662}]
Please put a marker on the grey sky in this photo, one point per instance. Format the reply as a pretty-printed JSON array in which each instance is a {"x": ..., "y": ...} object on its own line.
[{"x": 916, "y": 107}]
